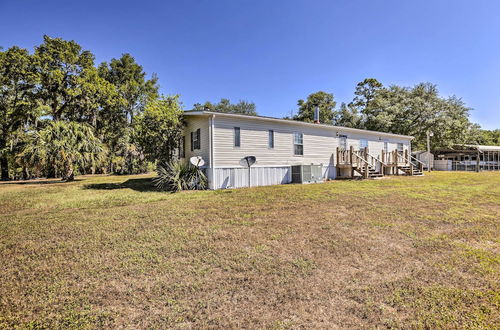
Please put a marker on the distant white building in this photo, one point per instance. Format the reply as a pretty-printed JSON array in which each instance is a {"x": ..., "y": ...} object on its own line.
[
  {"x": 223, "y": 139},
  {"x": 425, "y": 157},
  {"x": 468, "y": 157}
]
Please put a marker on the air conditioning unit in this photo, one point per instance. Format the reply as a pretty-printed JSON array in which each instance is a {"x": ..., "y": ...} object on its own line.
[{"x": 307, "y": 173}]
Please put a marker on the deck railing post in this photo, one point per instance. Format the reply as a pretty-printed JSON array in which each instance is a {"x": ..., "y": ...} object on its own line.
[
  {"x": 351, "y": 151},
  {"x": 338, "y": 158},
  {"x": 396, "y": 159},
  {"x": 366, "y": 170},
  {"x": 411, "y": 169},
  {"x": 477, "y": 162}
]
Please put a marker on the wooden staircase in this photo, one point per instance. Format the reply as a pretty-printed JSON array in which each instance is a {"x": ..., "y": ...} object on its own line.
[
  {"x": 361, "y": 162},
  {"x": 369, "y": 167},
  {"x": 372, "y": 173},
  {"x": 410, "y": 170},
  {"x": 407, "y": 164}
]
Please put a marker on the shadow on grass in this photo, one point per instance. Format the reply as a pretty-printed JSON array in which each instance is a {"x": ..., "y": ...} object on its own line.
[
  {"x": 134, "y": 184},
  {"x": 36, "y": 181}
]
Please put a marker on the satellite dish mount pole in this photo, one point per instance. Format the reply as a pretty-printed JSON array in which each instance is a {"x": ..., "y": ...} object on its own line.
[{"x": 249, "y": 173}]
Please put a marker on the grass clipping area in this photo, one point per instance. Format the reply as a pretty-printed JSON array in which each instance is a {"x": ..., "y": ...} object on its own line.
[{"x": 110, "y": 251}]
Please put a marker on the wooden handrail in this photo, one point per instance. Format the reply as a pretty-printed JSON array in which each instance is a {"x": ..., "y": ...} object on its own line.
[
  {"x": 418, "y": 161},
  {"x": 361, "y": 158},
  {"x": 377, "y": 160},
  {"x": 401, "y": 156}
]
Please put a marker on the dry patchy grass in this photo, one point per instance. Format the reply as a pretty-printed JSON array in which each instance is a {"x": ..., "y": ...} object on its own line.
[{"x": 407, "y": 252}]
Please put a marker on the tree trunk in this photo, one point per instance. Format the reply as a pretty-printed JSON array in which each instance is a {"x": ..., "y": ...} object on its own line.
[
  {"x": 71, "y": 177},
  {"x": 51, "y": 171},
  {"x": 4, "y": 161},
  {"x": 70, "y": 174},
  {"x": 4, "y": 164}
]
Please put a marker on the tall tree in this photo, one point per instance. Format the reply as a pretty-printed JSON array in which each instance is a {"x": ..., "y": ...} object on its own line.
[
  {"x": 117, "y": 121},
  {"x": 491, "y": 138},
  {"x": 60, "y": 64},
  {"x": 133, "y": 86},
  {"x": 17, "y": 106},
  {"x": 364, "y": 101},
  {"x": 93, "y": 99},
  {"x": 348, "y": 116},
  {"x": 159, "y": 128},
  {"x": 324, "y": 101},
  {"x": 413, "y": 111},
  {"x": 242, "y": 107}
]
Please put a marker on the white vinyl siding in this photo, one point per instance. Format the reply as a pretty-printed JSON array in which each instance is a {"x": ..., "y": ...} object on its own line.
[
  {"x": 254, "y": 133},
  {"x": 192, "y": 125},
  {"x": 273, "y": 164},
  {"x": 320, "y": 143}
]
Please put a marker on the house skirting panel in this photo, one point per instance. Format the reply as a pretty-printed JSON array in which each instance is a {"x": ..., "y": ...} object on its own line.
[{"x": 238, "y": 177}]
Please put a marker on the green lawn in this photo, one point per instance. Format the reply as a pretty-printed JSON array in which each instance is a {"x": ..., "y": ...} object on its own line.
[{"x": 103, "y": 251}]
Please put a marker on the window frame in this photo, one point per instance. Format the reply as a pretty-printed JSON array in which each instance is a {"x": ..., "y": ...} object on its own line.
[
  {"x": 343, "y": 137},
  {"x": 237, "y": 137},
  {"x": 297, "y": 144},
  {"x": 270, "y": 139},
  {"x": 402, "y": 147},
  {"x": 386, "y": 147},
  {"x": 196, "y": 140},
  {"x": 361, "y": 148}
]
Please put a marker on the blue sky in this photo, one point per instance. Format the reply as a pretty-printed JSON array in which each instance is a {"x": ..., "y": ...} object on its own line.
[{"x": 275, "y": 52}]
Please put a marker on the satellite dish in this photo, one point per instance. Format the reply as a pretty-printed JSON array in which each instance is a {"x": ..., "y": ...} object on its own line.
[
  {"x": 248, "y": 161},
  {"x": 197, "y": 161}
]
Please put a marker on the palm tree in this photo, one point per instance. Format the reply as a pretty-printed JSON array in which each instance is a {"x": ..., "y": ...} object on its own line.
[{"x": 62, "y": 146}]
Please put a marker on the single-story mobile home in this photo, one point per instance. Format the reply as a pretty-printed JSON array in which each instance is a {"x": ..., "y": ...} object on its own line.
[{"x": 289, "y": 151}]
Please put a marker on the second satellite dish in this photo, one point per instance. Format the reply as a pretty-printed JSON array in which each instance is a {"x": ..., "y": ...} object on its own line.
[
  {"x": 197, "y": 161},
  {"x": 248, "y": 161}
]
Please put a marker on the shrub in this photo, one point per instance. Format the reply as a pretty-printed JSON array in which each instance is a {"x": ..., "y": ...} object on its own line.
[{"x": 177, "y": 175}]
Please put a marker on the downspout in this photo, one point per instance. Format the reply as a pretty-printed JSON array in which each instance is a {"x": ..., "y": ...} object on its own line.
[{"x": 211, "y": 154}]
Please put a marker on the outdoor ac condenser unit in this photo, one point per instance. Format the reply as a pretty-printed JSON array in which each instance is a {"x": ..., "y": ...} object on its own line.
[{"x": 307, "y": 173}]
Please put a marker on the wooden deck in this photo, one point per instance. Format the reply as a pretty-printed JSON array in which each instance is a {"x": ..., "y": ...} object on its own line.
[{"x": 360, "y": 163}]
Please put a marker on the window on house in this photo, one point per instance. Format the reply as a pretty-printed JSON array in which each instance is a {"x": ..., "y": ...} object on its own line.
[
  {"x": 298, "y": 144},
  {"x": 237, "y": 138},
  {"x": 400, "y": 148},
  {"x": 182, "y": 147},
  {"x": 363, "y": 143},
  {"x": 343, "y": 142},
  {"x": 386, "y": 147},
  {"x": 270, "y": 142},
  {"x": 195, "y": 140}
]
